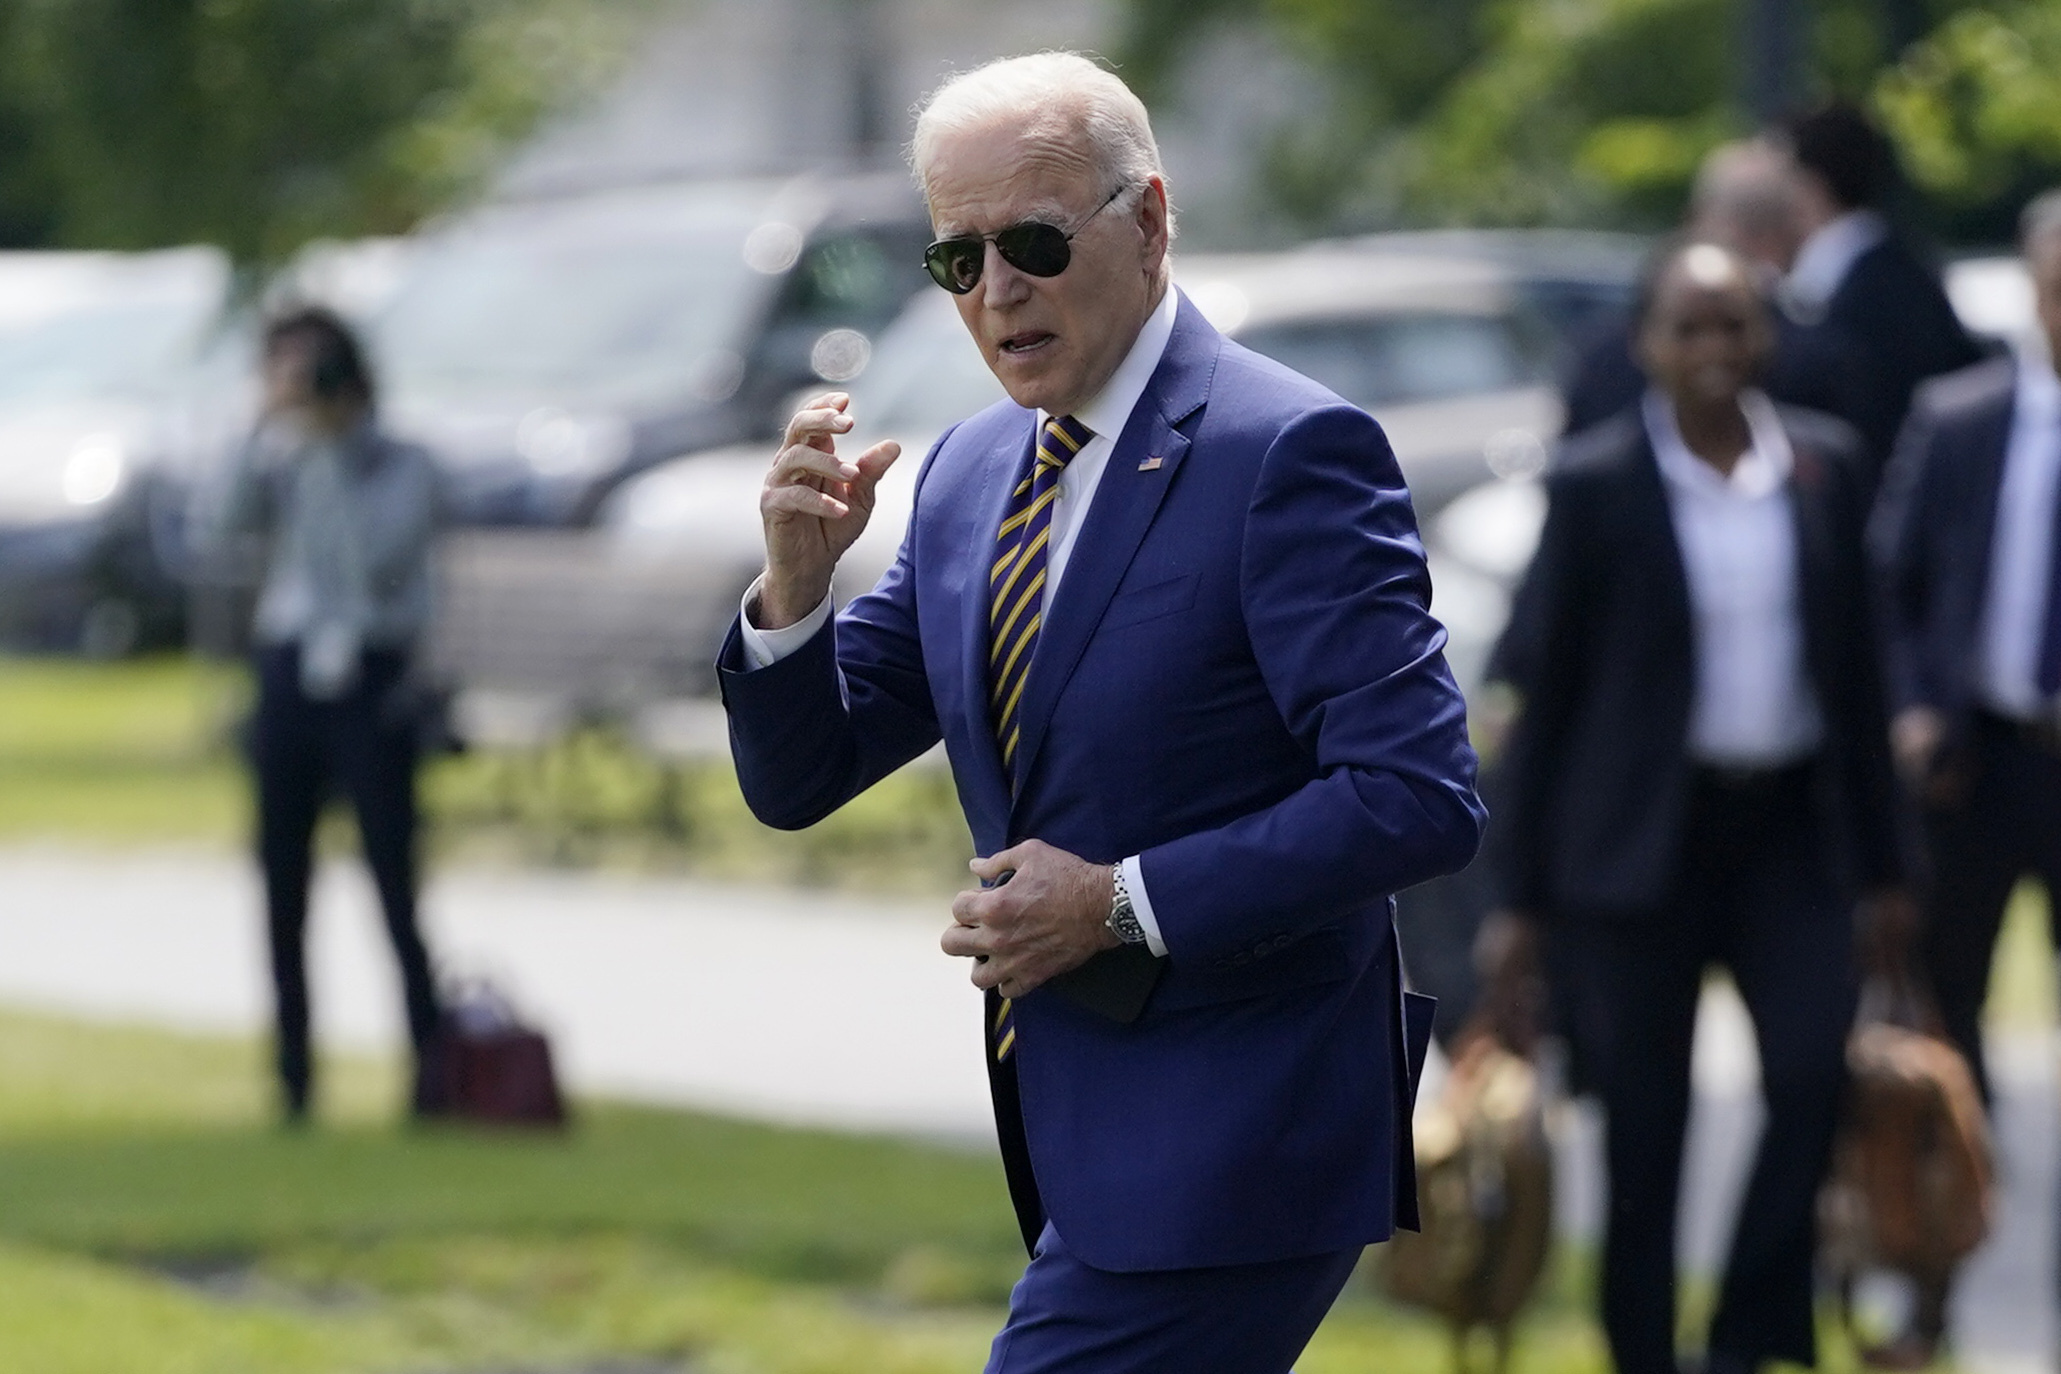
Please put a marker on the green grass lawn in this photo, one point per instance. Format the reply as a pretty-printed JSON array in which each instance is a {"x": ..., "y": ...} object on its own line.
[
  {"x": 153, "y": 1222},
  {"x": 150, "y": 1220},
  {"x": 118, "y": 752},
  {"x": 141, "y": 752}
]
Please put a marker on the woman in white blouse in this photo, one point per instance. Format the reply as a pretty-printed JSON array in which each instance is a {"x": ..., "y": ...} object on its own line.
[{"x": 1699, "y": 776}]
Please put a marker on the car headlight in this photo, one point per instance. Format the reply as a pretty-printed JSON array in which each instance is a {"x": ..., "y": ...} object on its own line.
[{"x": 95, "y": 470}]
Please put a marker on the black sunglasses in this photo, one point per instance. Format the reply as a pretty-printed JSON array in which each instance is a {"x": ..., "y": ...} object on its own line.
[{"x": 1032, "y": 247}]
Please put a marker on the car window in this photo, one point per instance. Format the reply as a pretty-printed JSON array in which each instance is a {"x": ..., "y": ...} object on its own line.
[
  {"x": 846, "y": 280},
  {"x": 844, "y": 289},
  {"x": 1396, "y": 359},
  {"x": 101, "y": 352},
  {"x": 1578, "y": 311},
  {"x": 597, "y": 320}
]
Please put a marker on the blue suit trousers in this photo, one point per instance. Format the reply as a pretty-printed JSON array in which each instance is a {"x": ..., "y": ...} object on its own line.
[{"x": 1068, "y": 1318}]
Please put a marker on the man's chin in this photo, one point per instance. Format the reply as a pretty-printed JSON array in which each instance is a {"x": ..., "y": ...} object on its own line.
[{"x": 1034, "y": 391}]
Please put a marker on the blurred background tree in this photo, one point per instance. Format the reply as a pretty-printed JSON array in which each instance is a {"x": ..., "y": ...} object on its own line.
[
  {"x": 1597, "y": 111},
  {"x": 259, "y": 124}
]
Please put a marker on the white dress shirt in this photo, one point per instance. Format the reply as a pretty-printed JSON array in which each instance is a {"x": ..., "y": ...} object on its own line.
[
  {"x": 2015, "y": 611},
  {"x": 1754, "y": 705},
  {"x": 1106, "y": 415},
  {"x": 1826, "y": 257}
]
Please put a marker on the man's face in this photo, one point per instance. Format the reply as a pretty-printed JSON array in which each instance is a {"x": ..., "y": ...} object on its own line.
[
  {"x": 1766, "y": 244},
  {"x": 1052, "y": 342},
  {"x": 2043, "y": 261}
]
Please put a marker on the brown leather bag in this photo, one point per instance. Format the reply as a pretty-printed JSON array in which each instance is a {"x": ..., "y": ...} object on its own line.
[
  {"x": 1485, "y": 1188},
  {"x": 1915, "y": 1148},
  {"x": 1911, "y": 1178}
]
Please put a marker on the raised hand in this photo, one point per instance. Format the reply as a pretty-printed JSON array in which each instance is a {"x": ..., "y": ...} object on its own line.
[{"x": 814, "y": 505}]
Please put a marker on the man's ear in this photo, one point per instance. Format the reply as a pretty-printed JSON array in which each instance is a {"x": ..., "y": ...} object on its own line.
[{"x": 1152, "y": 220}]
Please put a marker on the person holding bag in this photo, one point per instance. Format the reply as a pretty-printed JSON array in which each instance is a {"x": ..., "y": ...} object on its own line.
[{"x": 1699, "y": 774}]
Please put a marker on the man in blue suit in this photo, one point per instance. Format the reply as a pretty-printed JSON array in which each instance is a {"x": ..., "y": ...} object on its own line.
[
  {"x": 1167, "y": 609},
  {"x": 1968, "y": 550}
]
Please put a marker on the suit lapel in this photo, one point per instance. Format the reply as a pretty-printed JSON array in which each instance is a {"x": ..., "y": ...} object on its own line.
[
  {"x": 1986, "y": 456},
  {"x": 1126, "y": 500},
  {"x": 1816, "y": 562},
  {"x": 998, "y": 479},
  {"x": 1669, "y": 580}
]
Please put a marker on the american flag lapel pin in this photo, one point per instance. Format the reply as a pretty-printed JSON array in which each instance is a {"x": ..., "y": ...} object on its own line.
[{"x": 1151, "y": 464}]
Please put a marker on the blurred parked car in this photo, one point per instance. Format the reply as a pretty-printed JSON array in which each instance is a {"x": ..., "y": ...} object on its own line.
[
  {"x": 101, "y": 357},
  {"x": 1445, "y": 351},
  {"x": 357, "y": 278},
  {"x": 926, "y": 375},
  {"x": 546, "y": 349},
  {"x": 1439, "y": 350},
  {"x": 1579, "y": 282}
]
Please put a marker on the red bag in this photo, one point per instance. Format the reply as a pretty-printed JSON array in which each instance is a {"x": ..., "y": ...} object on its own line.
[{"x": 488, "y": 1066}]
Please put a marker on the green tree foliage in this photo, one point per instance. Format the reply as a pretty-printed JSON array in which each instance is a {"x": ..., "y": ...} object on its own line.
[
  {"x": 1597, "y": 111},
  {"x": 1976, "y": 105},
  {"x": 259, "y": 124}
]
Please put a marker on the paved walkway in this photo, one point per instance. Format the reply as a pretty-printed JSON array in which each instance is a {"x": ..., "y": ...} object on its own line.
[
  {"x": 789, "y": 1006},
  {"x": 812, "y": 1008}
]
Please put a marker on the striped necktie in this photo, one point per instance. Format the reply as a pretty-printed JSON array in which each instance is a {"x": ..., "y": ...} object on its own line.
[
  {"x": 1016, "y": 610},
  {"x": 1016, "y": 579}
]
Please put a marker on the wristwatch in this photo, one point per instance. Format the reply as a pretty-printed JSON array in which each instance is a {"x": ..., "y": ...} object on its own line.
[{"x": 1123, "y": 920}]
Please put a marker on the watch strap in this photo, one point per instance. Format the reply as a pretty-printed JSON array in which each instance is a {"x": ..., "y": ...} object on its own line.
[{"x": 1123, "y": 920}]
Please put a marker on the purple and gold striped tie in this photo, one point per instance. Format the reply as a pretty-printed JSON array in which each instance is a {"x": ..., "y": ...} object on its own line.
[
  {"x": 1016, "y": 579},
  {"x": 1016, "y": 610}
]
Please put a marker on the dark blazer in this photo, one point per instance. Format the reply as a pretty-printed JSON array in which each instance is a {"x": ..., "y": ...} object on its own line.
[
  {"x": 1238, "y": 680},
  {"x": 1811, "y": 368},
  {"x": 1602, "y": 646},
  {"x": 1933, "y": 531},
  {"x": 1895, "y": 317}
]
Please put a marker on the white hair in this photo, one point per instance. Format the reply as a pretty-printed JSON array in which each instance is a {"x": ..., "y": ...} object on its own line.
[
  {"x": 1749, "y": 183},
  {"x": 1062, "y": 97}
]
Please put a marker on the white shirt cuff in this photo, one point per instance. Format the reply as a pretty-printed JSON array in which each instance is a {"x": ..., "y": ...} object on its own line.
[
  {"x": 764, "y": 648},
  {"x": 1141, "y": 905}
]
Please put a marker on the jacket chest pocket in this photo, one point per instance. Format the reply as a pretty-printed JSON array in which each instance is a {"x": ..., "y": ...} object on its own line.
[{"x": 1152, "y": 601}]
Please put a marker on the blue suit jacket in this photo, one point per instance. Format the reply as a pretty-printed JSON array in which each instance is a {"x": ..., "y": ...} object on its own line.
[{"x": 1239, "y": 680}]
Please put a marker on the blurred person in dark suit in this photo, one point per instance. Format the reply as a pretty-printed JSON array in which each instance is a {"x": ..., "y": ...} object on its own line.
[
  {"x": 1858, "y": 278},
  {"x": 1745, "y": 198},
  {"x": 1968, "y": 542},
  {"x": 349, "y": 515},
  {"x": 1699, "y": 774}
]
